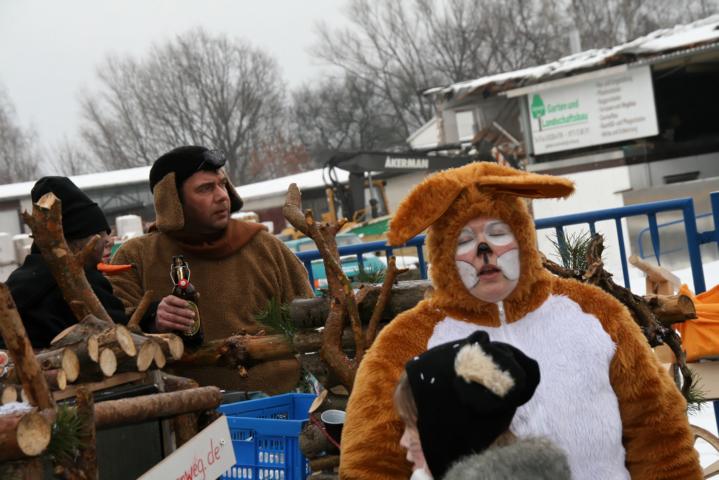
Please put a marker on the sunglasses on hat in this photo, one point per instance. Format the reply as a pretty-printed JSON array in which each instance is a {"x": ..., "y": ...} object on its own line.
[{"x": 214, "y": 158}]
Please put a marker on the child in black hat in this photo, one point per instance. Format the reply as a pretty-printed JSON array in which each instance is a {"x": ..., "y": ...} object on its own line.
[
  {"x": 38, "y": 298},
  {"x": 457, "y": 401}
]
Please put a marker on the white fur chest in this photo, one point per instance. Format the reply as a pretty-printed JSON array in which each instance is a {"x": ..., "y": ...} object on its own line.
[{"x": 574, "y": 405}]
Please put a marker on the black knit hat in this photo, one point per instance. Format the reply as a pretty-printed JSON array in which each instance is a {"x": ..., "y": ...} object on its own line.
[
  {"x": 187, "y": 160},
  {"x": 81, "y": 217},
  {"x": 466, "y": 394}
]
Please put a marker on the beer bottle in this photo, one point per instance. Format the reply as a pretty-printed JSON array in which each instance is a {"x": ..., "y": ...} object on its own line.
[{"x": 180, "y": 273}]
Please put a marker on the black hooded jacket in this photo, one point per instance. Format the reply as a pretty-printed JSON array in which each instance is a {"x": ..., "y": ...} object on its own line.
[{"x": 42, "y": 308}]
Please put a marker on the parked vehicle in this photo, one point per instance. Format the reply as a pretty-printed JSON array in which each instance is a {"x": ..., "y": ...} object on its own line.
[{"x": 371, "y": 264}]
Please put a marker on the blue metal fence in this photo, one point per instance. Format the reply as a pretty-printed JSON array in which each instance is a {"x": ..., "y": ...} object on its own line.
[
  {"x": 645, "y": 253},
  {"x": 685, "y": 206}
]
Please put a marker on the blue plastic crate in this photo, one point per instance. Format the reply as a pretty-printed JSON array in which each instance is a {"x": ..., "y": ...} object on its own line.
[{"x": 265, "y": 435}]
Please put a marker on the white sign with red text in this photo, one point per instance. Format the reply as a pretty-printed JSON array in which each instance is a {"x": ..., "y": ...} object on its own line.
[{"x": 207, "y": 456}]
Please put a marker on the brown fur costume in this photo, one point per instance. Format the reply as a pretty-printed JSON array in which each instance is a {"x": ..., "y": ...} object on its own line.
[
  {"x": 236, "y": 276},
  {"x": 653, "y": 424}
]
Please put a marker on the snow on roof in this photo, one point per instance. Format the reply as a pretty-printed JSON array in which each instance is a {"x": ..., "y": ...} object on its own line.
[
  {"x": 89, "y": 182},
  {"x": 701, "y": 32},
  {"x": 304, "y": 180},
  {"x": 130, "y": 176}
]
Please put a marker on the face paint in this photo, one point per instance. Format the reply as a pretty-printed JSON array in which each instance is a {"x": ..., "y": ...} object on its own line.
[
  {"x": 509, "y": 263},
  {"x": 468, "y": 274},
  {"x": 487, "y": 259},
  {"x": 467, "y": 241},
  {"x": 498, "y": 234}
]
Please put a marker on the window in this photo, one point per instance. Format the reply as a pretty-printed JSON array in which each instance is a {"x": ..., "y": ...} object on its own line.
[{"x": 465, "y": 125}]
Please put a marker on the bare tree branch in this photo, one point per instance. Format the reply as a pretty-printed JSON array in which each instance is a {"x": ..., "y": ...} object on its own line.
[
  {"x": 197, "y": 89},
  {"x": 19, "y": 155}
]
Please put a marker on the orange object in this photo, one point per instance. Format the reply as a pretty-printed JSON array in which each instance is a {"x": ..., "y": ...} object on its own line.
[
  {"x": 700, "y": 337},
  {"x": 110, "y": 269}
]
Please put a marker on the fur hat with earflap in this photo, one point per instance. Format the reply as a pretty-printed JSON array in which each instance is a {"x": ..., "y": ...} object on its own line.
[
  {"x": 170, "y": 171},
  {"x": 466, "y": 394}
]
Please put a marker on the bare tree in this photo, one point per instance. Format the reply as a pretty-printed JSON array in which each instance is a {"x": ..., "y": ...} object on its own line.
[
  {"x": 70, "y": 158},
  {"x": 19, "y": 155},
  {"x": 612, "y": 22},
  {"x": 281, "y": 156},
  {"x": 401, "y": 48},
  {"x": 348, "y": 114},
  {"x": 198, "y": 89}
]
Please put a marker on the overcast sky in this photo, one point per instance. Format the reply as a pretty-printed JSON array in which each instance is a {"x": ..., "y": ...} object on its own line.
[{"x": 49, "y": 49}]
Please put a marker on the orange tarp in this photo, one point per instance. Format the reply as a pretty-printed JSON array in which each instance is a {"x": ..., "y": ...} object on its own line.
[{"x": 700, "y": 337}]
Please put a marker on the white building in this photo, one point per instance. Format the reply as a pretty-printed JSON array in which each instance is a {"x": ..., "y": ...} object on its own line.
[{"x": 629, "y": 124}]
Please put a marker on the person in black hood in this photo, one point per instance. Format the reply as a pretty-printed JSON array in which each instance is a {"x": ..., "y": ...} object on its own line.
[{"x": 39, "y": 300}]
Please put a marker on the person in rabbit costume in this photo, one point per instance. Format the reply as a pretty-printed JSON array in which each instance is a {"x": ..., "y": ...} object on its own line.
[{"x": 603, "y": 399}]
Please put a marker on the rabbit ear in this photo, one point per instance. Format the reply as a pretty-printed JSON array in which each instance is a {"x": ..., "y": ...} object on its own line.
[
  {"x": 430, "y": 199},
  {"x": 525, "y": 184},
  {"x": 423, "y": 206}
]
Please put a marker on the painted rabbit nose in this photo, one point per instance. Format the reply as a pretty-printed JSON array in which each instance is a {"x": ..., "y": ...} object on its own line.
[{"x": 483, "y": 249}]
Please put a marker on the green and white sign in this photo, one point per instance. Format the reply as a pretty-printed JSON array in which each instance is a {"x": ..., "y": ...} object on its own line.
[{"x": 594, "y": 112}]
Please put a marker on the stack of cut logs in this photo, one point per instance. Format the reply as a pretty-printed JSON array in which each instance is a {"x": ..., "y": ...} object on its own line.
[
  {"x": 93, "y": 350},
  {"x": 94, "y": 354}
]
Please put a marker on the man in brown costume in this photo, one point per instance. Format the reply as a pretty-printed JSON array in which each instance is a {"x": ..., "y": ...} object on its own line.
[{"x": 237, "y": 267}]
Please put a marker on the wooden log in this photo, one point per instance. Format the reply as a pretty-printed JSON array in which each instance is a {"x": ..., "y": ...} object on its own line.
[
  {"x": 159, "y": 359},
  {"x": 9, "y": 394},
  {"x": 145, "y": 356},
  {"x": 134, "y": 323},
  {"x": 19, "y": 349},
  {"x": 313, "y": 442},
  {"x": 314, "y": 364},
  {"x": 129, "y": 411},
  {"x": 79, "y": 332},
  {"x": 86, "y": 463},
  {"x": 659, "y": 279},
  {"x": 327, "y": 400},
  {"x": 312, "y": 312},
  {"x": 343, "y": 305},
  {"x": 325, "y": 476},
  {"x": 306, "y": 341},
  {"x": 63, "y": 358},
  {"x": 67, "y": 268},
  {"x": 115, "y": 337},
  {"x": 145, "y": 351},
  {"x": 56, "y": 378},
  {"x": 107, "y": 362},
  {"x": 115, "y": 380},
  {"x": 384, "y": 296},
  {"x": 82, "y": 466},
  {"x": 171, "y": 344},
  {"x": 23, "y": 435},
  {"x": 94, "y": 348},
  {"x": 185, "y": 426},
  {"x": 139, "y": 363},
  {"x": 29, "y": 469},
  {"x": 174, "y": 383},
  {"x": 328, "y": 462},
  {"x": 669, "y": 309},
  {"x": 239, "y": 350}
]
